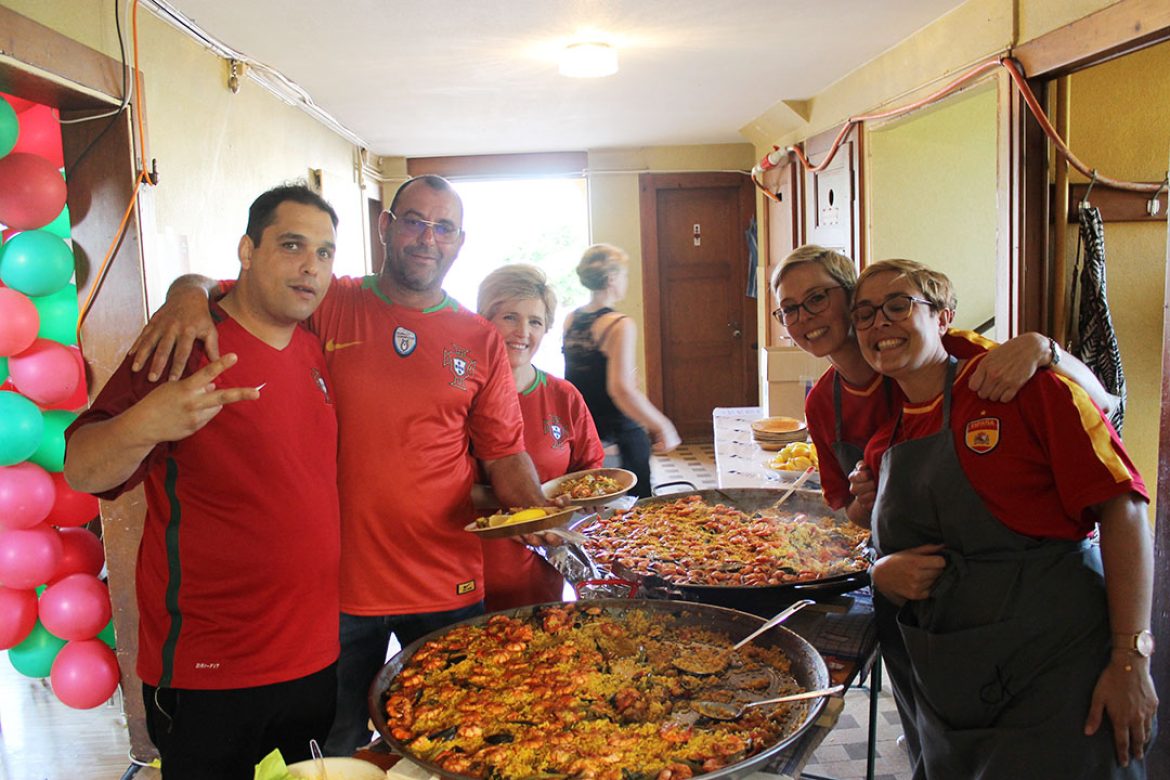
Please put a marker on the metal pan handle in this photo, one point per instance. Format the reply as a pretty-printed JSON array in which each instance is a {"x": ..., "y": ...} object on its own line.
[{"x": 656, "y": 488}]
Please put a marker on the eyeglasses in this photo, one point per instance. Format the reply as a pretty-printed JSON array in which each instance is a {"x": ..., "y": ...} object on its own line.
[
  {"x": 814, "y": 303},
  {"x": 895, "y": 309},
  {"x": 445, "y": 232}
]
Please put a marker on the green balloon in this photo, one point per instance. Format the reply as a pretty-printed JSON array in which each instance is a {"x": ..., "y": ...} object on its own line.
[
  {"x": 3, "y": 370},
  {"x": 107, "y": 634},
  {"x": 58, "y": 313},
  {"x": 36, "y": 262},
  {"x": 60, "y": 224},
  {"x": 21, "y": 426},
  {"x": 34, "y": 656},
  {"x": 9, "y": 127},
  {"x": 50, "y": 453}
]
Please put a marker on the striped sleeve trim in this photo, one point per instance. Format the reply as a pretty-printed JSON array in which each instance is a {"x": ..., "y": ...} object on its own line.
[{"x": 1095, "y": 428}]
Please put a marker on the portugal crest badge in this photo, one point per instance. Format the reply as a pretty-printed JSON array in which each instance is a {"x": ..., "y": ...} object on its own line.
[
  {"x": 982, "y": 435},
  {"x": 462, "y": 367},
  {"x": 555, "y": 430},
  {"x": 405, "y": 341}
]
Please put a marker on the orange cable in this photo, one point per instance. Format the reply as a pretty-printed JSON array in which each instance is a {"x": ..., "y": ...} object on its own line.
[{"x": 140, "y": 179}]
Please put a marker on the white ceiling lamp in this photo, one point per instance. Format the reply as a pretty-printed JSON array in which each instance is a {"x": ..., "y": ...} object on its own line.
[{"x": 589, "y": 60}]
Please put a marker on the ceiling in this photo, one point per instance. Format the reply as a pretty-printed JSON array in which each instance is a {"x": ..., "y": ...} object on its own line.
[{"x": 456, "y": 77}]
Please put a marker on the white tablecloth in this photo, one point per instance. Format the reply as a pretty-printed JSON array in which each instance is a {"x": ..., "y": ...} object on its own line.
[{"x": 739, "y": 461}]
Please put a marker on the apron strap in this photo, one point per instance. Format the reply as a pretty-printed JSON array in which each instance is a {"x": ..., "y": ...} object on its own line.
[{"x": 836, "y": 406}]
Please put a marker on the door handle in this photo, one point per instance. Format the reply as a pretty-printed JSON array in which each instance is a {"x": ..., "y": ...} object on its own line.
[{"x": 735, "y": 331}]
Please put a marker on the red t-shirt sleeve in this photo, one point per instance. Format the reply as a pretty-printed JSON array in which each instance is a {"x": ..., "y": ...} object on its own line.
[{"x": 495, "y": 425}]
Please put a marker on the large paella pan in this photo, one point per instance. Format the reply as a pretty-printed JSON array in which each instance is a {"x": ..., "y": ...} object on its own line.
[
  {"x": 730, "y": 547},
  {"x": 589, "y": 689}
]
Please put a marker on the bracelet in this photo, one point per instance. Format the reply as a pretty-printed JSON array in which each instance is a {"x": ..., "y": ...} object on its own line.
[{"x": 1053, "y": 353}]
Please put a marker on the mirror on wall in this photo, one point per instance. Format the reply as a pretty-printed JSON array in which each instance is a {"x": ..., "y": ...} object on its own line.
[{"x": 931, "y": 180}]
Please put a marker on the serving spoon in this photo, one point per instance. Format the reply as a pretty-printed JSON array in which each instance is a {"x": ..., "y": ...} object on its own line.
[
  {"x": 700, "y": 663},
  {"x": 720, "y": 710}
]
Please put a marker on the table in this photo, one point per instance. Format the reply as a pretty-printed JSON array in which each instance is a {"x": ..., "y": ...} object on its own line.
[{"x": 739, "y": 460}]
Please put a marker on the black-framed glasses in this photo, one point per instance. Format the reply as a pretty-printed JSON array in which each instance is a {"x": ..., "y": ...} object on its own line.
[
  {"x": 814, "y": 303},
  {"x": 445, "y": 232},
  {"x": 895, "y": 309}
]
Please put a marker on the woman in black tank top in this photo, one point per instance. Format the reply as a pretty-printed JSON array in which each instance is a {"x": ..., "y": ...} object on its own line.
[{"x": 599, "y": 360}]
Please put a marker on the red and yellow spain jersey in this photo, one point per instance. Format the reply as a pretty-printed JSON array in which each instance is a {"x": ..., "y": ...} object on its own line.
[
  {"x": 1039, "y": 462},
  {"x": 416, "y": 389}
]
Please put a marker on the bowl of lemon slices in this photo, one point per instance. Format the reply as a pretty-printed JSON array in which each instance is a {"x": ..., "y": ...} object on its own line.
[{"x": 795, "y": 456}]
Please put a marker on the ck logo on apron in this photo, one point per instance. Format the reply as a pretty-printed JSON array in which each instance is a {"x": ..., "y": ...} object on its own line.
[{"x": 982, "y": 436}]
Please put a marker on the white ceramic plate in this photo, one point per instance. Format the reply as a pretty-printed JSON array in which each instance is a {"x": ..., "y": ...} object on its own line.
[
  {"x": 554, "y": 520},
  {"x": 625, "y": 479}
]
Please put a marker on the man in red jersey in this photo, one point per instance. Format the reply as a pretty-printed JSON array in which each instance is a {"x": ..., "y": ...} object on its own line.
[
  {"x": 241, "y": 541},
  {"x": 420, "y": 382}
]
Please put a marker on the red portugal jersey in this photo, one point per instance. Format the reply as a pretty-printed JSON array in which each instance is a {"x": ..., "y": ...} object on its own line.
[
  {"x": 863, "y": 411},
  {"x": 415, "y": 389},
  {"x": 1039, "y": 462},
  {"x": 560, "y": 436},
  {"x": 238, "y": 563}
]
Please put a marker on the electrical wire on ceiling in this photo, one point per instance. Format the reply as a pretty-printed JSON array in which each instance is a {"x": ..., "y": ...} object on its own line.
[{"x": 777, "y": 156}]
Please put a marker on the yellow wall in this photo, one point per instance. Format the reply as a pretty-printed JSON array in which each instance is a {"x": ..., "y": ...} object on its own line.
[
  {"x": 1114, "y": 130},
  {"x": 216, "y": 151},
  {"x": 932, "y": 195}
]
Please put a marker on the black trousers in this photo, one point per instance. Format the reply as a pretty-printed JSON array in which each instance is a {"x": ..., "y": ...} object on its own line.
[
  {"x": 634, "y": 449},
  {"x": 223, "y": 734}
]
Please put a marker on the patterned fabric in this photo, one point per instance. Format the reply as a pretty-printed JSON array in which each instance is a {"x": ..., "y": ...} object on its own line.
[{"x": 1096, "y": 340}]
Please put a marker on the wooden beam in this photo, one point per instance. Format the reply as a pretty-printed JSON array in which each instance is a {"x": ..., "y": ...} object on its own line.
[
  {"x": 501, "y": 165},
  {"x": 1121, "y": 28},
  {"x": 1116, "y": 205}
]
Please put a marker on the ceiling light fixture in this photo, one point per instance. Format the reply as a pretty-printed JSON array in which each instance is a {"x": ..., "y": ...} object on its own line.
[{"x": 588, "y": 60}]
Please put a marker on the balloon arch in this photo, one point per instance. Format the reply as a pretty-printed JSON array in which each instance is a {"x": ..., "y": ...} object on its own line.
[{"x": 54, "y": 606}]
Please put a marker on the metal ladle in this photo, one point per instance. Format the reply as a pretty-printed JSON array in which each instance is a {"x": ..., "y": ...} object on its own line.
[
  {"x": 719, "y": 710},
  {"x": 700, "y": 663}
]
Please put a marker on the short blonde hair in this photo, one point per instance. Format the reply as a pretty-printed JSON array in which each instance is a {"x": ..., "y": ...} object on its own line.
[
  {"x": 837, "y": 265},
  {"x": 516, "y": 282},
  {"x": 599, "y": 264},
  {"x": 934, "y": 286}
]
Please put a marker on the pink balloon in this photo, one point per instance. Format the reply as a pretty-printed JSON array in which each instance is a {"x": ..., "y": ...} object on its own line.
[
  {"x": 71, "y": 507},
  {"x": 29, "y": 557},
  {"x": 40, "y": 134},
  {"x": 18, "y": 615},
  {"x": 26, "y": 495},
  {"x": 82, "y": 553},
  {"x": 85, "y": 674},
  {"x": 19, "y": 321},
  {"x": 80, "y": 398},
  {"x": 77, "y": 607},
  {"x": 32, "y": 191},
  {"x": 46, "y": 372}
]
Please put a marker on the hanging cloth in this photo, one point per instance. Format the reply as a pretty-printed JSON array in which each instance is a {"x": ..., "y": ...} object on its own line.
[
  {"x": 1096, "y": 343},
  {"x": 753, "y": 248}
]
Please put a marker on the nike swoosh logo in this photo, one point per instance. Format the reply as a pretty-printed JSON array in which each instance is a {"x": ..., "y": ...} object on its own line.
[{"x": 331, "y": 346}]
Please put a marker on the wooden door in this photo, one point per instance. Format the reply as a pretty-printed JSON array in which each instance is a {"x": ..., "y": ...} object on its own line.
[
  {"x": 785, "y": 225},
  {"x": 833, "y": 208},
  {"x": 700, "y": 322}
]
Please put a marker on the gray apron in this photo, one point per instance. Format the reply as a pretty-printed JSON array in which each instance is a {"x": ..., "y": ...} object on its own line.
[
  {"x": 894, "y": 658},
  {"x": 1007, "y": 649}
]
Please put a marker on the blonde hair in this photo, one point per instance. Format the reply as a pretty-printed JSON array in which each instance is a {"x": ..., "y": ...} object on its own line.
[
  {"x": 934, "y": 286},
  {"x": 836, "y": 265},
  {"x": 516, "y": 282},
  {"x": 599, "y": 264}
]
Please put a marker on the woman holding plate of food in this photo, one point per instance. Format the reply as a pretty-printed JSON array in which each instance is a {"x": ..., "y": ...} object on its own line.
[{"x": 558, "y": 430}]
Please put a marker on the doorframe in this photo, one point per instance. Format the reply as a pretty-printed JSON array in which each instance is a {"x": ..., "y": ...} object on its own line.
[
  {"x": 649, "y": 185},
  {"x": 1120, "y": 29}
]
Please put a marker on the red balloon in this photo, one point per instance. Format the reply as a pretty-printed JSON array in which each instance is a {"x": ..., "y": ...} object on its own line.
[
  {"x": 18, "y": 615},
  {"x": 32, "y": 191},
  {"x": 80, "y": 398},
  {"x": 29, "y": 557},
  {"x": 77, "y": 607},
  {"x": 82, "y": 553},
  {"x": 40, "y": 134},
  {"x": 26, "y": 495},
  {"x": 19, "y": 321},
  {"x": 18, "y": 104},
  {"x": 70, "y": 507},
  {"x": 85, "y": 674},
  {"x": 46, "y": 372}
]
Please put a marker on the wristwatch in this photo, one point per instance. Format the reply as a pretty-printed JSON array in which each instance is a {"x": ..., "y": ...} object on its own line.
[{"x": 1141, "y": 643}]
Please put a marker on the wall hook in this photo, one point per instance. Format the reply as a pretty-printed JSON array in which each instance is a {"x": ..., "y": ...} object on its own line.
[
  {"x": 1153, "y": 206},
  {"x": 1085, "y": 200}
]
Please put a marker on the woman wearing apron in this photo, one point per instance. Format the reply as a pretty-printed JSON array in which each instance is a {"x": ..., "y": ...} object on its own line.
[
  {"x": 814, "y": 286},
  {"x": 1029, "y": 646}
]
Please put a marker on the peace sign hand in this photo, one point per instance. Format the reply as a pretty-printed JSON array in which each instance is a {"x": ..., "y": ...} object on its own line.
[{"x": 175, "y": 410}]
